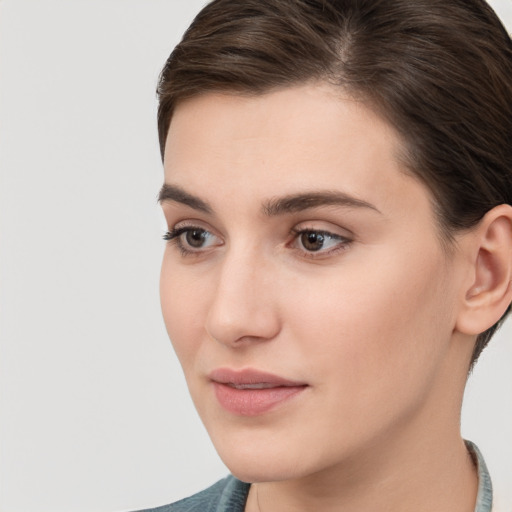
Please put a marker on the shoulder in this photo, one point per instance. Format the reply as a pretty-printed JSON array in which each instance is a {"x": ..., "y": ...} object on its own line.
[{"x": 227, "y": 495}]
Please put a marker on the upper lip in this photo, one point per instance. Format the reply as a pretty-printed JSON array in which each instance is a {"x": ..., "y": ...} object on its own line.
[{"x": 251, "y": 376}]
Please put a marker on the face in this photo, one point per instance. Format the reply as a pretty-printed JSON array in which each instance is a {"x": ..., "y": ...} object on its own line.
[{"x": 303, "y": 286}]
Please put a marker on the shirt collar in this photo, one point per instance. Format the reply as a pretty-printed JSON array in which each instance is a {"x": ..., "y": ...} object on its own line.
[{"x": 484, "y": 497}]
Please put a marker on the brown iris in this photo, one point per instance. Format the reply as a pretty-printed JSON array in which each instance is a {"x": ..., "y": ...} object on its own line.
[
  {"x": 312, "y": 241},
  {"x": 195, "y": 238}
]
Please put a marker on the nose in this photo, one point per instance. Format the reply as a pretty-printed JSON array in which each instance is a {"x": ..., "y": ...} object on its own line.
[{"x": 244, "y": 306}]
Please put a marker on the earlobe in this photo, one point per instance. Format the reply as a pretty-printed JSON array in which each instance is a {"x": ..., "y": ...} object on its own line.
[{"x": 489, "y": 293}]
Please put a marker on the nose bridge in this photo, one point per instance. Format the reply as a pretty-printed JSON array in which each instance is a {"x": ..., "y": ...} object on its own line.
[{"x": 243, "y": 305}]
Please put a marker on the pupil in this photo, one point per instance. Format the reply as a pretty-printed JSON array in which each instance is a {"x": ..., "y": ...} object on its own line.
[
  {"x": 195, "y": 237},
  {"x": 312, "y": 241}
]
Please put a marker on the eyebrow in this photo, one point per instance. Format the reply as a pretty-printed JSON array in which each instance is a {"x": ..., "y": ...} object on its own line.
[
  {"x": 297, "y": 202},
  {"x": 292, "y": 203},
  {"x": 178, "y": 195}
]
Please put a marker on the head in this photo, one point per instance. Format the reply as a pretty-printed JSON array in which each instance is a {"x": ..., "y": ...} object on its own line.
[{"x": 418, "y": 90}]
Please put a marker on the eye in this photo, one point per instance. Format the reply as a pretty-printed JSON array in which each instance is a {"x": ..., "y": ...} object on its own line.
[
  {"x": 190, "y": 239},
  {"x": 312, "y": 241}
]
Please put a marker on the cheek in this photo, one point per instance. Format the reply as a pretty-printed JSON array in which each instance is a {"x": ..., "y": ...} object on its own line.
[
  {"x": 182, "y": 297},
  {"x": 377, "y": 331}
]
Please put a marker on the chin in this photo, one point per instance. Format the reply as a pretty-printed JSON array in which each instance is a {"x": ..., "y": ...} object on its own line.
[
  {"x": 254, "y": 459},
  {"x": 260, "y": 469}
]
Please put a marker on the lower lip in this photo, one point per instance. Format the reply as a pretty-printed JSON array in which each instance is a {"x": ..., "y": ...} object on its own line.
[{"x": 252, "y": 402}]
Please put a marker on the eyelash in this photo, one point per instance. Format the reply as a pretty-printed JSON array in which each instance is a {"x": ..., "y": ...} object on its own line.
[{"x": 174, "y": 237}]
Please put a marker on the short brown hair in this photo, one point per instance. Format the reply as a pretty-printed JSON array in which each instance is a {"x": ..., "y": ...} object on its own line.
[{"x": 440, "y": 71}]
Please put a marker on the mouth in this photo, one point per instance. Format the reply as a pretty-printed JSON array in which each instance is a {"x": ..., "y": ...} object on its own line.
[
  {"x": 262, "y": 385},
  {"x": 252, "y": 392}
]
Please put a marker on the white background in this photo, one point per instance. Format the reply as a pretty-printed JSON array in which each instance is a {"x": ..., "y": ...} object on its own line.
[{"x": 94, "y": 410}]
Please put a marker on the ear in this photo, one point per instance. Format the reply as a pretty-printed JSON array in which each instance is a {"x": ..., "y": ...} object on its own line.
[{"x": 488, "y": 291}]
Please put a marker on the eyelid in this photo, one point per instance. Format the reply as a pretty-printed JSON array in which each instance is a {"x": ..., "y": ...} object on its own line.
[
  {"x": 188, "y": 224},
  {"x": 324, "y": 227}
]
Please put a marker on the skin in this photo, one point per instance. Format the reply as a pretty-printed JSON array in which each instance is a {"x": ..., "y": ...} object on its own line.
[{"x": 369, "y": 321}]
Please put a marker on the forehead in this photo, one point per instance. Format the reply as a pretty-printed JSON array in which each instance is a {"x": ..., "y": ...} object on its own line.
[
  {"x": 313, "y": 112},
  {"x": 285, "y": 142}
]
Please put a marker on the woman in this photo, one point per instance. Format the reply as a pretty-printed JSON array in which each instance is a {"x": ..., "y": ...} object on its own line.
[{"x": 338, "y": 182}]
